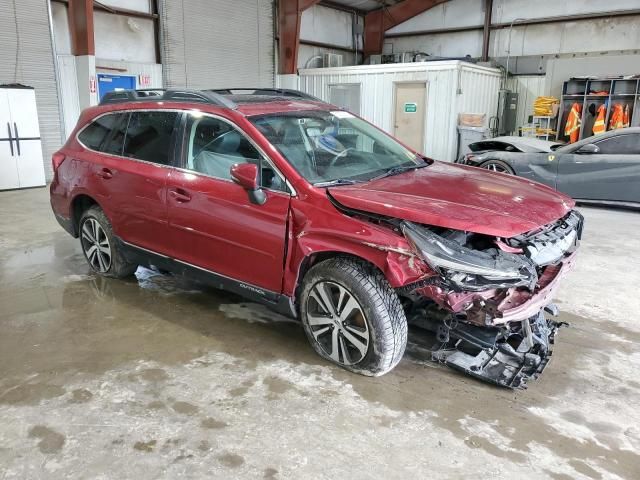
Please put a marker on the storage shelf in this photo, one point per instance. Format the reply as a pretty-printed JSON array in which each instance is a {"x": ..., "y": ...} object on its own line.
[{"x": 628, "y": 93}]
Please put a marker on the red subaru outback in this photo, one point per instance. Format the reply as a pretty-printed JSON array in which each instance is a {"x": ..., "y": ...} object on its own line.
[{"x": 318, "y": 214}]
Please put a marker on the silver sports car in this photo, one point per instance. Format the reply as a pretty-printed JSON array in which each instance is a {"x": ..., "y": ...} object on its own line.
[{"x": 600, "y": 169}]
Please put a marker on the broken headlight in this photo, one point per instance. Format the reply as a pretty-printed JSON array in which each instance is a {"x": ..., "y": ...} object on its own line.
[{"x": 468, "y": 269}]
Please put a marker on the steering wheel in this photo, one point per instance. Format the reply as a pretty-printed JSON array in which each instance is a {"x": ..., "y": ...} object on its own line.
[{"x": 335, "y": 159}]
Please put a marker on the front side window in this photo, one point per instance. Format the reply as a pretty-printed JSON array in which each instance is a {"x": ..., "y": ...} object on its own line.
[
  {"x": 628, "y": 144},
  {"x": 149, "y": 136},
  {"x": 332, "y": 146},
  {"x": 214, "y": 146},
  {"x": 96, "y": 133}
]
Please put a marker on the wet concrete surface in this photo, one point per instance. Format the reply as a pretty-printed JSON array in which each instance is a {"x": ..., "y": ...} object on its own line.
[{"x": 157, "y": 377}]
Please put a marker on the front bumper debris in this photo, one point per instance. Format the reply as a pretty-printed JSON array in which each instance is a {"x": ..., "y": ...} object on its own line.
[{"x": 505, "y": 357}]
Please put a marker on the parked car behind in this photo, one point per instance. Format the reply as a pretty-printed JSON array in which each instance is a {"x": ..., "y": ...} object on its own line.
[
  {"x": 603, "y": 169},
  {"x": 318, "y": 214}
]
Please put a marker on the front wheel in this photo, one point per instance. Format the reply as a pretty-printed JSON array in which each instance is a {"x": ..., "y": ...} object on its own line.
[
  {"x": 498, "y": 166},
  {"x": 352, "y": 316},
  {"x": 99, "y": 246}
]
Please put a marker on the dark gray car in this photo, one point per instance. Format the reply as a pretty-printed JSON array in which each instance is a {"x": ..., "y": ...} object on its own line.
[{"x": 599, "y": 169}]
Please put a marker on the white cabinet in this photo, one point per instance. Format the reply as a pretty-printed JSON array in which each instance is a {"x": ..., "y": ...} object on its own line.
[{"x": 21, "y": 162}]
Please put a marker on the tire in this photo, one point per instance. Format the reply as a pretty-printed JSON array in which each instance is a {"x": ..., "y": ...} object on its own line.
[
  {"x": 104, "y": 257},
  {"x": 497, "y": 166},
  {"x": 363, "y": 306}
]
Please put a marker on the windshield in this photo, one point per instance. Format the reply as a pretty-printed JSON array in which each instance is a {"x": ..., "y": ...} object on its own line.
[{"x": 326, "y": 147}]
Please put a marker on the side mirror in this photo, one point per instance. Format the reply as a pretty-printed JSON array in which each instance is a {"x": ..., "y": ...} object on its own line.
[
  {"x": 588, "y": 149},
  {"x": 246, "y": 175}
]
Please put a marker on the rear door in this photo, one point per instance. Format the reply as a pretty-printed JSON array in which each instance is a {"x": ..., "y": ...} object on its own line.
[
  {"x": 212, "y": 223},
  {"x": 130, "y": 173},
  {"x": 611, "y": 174}
]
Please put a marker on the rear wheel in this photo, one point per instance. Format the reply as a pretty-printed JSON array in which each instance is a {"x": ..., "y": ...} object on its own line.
[
  {"x": 352, "y": 316},
  {"x": 99, "y": 246},
  {"x": 498, "y": 166}
]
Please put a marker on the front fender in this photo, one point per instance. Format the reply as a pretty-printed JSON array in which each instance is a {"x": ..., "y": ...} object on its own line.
[{"x": 388, "y": 251}]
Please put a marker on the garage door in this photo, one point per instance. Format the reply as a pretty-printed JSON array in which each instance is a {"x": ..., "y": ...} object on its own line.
[
  {"x": 31, "y": 45},
  {"x": 217, "y": 43}
]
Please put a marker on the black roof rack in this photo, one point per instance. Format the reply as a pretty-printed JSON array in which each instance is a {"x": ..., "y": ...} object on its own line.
[
  {"x": 167, "y": 95},
  {"x": 219, "y": 97},
  {"x": 269, "y": 92}
]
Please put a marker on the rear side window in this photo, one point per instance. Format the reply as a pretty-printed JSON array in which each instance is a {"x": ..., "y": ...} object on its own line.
[
  {"x": 115, "y": 141},
  {"x": 628, "y": 144},
  {"x": 94, "y": 135},
  {"x": 149, "y": 136}
]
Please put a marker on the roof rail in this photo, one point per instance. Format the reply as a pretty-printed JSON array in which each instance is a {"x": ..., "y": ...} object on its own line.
[
  {"x": 272, "y": 92},
  {"x": 168, "y": 95}
]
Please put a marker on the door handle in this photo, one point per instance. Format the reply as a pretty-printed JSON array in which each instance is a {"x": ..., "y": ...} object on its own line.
[
  {"x": 10, "y": 138},
  {"x": 105, "y": 173},
  {"x": 179, "y": 195},
  {"x": 15, "y": 127}
]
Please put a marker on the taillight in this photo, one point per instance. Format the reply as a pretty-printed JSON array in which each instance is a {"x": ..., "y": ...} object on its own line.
[{"x": 57, "y": 159}]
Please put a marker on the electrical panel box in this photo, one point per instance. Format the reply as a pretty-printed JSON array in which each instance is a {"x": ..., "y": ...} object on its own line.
[{"x": 507, "y": 110}]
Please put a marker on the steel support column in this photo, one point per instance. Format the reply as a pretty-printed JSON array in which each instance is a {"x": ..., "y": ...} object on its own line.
[
  {"x": 81, "y": 26},
  {"x": 289, "y": 16},
  {"x": 486, "y": 31},
  {"x": 379, "y": 21}
]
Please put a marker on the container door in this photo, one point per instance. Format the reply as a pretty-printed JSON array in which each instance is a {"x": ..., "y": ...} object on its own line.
[
  {"x": 410, "y": 114},
  {"x": 29, "y": 160},
  {"x": 26, "y": 133},
  {"x": 24, "y": 113},
  {"x": 8, "y": 166}
]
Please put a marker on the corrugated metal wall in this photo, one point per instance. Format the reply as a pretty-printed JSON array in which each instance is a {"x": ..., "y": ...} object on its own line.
[
  {"x": 452, "y": 87},
  {"x": 217, "y": 43},
  {"x": 528, "y": 87},
  {"x": 32, "y": 47}
]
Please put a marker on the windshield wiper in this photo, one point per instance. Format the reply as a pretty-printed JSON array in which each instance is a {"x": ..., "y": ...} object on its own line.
[
  {"x": 337, "y": 181},
  {"x": 400, "y": 169}
]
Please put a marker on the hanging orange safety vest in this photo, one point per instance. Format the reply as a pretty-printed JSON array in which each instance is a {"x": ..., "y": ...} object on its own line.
[
  {"x": 574, "y": 120},
  {"x": 625, "y": 121},
  {"x": 598, "y": 125},
  {"x": 617, "y": 117}
]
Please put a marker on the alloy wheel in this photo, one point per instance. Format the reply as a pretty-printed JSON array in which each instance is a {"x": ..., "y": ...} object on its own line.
[
  {"x": 337, "y": 323},
  {"x": 96, "y": 246},
  {"x": 496, "y": 167}
]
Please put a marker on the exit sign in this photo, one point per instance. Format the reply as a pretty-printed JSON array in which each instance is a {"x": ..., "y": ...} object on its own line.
[{"x": 410, "y": 107}]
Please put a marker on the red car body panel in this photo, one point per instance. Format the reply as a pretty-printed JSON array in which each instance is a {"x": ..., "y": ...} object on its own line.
[
  {"x": 459, "y": 197},
  {"x": 220, "y": 230},
  {"x": 266, "y": 246}
]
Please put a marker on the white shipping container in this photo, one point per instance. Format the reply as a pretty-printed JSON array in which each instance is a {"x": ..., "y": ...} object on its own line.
[{"x": 453, "y": 87}]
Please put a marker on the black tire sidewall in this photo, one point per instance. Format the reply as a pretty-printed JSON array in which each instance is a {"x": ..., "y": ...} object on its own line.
[
  {"x": 119, "y": 267},
  {"x": 376, "y": 361}
]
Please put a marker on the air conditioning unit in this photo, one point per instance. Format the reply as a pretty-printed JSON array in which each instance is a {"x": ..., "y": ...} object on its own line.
[
  {"x": 330, "y": 60},
  {"x": 375, "y": 59}
]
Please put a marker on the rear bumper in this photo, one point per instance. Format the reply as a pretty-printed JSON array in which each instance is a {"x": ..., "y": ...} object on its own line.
[{"x": 66, "y": 223}]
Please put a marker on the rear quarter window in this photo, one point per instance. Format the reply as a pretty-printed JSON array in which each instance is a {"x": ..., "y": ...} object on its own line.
[{"x": 96, "y": 133}]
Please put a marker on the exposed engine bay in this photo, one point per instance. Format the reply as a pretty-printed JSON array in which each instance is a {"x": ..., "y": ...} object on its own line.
[{"x": 490, "y": 303}]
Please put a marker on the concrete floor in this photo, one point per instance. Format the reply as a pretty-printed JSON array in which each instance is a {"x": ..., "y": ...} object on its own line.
[{"x": 154, "y": 377}]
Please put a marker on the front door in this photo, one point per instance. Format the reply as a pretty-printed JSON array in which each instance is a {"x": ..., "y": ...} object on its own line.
[
  {"x": 410, "y": 114},
  {"x": 212, "y": 223},
  {"x": 613, "y": 173}
]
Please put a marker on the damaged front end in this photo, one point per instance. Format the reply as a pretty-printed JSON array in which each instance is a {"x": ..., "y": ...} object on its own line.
[{"x": 489, "y": 302}]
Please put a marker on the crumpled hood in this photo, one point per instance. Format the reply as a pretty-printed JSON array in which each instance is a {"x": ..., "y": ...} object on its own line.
[{"x": 459, "y": 197}]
